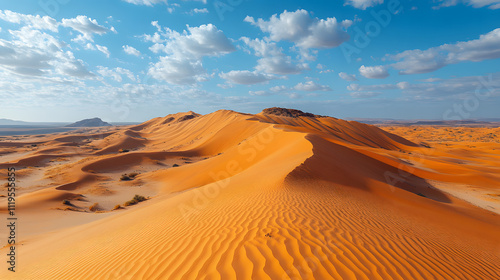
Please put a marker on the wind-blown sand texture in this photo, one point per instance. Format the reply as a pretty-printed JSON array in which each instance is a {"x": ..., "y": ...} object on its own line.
[{"x": 254, "y": 197}]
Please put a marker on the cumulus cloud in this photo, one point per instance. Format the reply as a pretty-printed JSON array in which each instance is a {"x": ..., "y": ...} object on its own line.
[
  {"x": 347, "y": 77},
  {"x": 363, "y": 4},
  {"x": 311, "y": 86},
  {"x": 280, "y": 65},
  {"x": 373, "y": 72},
  {"x": 32, "y": 21},
  {"x": 289, "y": 91},
  {"x": 246, "y": 77},
  {"x": 461, "y": 87},
  {"x": 184, "y": 52},
  {"x": 424, "y": 61},
  {"x": 177, "y": 70},
  {"x": 491, "y": 4},
  {"x": 33, "y": 53},
  {"x": 116, "y": 73},
  {"x": 276, "y": 90},
  {"x": 273, "y": 60},
  {"x": 131, "y": 50},
  {"x": 435, "y": 89},
  {"x": 205, "y": 40},
  {"x": 100, "y": 48},
  {"x": 86, "y": 26},
  {"x": 303, "y": 30}
]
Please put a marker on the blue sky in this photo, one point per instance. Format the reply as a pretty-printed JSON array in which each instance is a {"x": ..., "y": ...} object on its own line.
[{"x": 132, "y": 60}]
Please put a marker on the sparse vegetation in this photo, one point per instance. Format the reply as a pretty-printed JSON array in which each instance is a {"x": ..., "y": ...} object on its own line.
[
  {"x": 187, "y": 117},
  {"x": 94, "y": 207},
  {"x": 117, "y": 206},
  {"x": 125, "y": 177},
  {"x": 128, "y": 177},
  {"x": 175, "y": 165},
  {"x": 123, "y": 150},
  {"x": 133, "y": 174},
  {"x": 285, "y": 112},
  {"x": 66, "y": 202},
  {"x": 137, "y": 198}
]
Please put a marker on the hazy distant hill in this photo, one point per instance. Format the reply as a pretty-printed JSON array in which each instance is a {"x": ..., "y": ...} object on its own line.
[
  {"x": 467, "y": 122},
  {"x": 95, "y": 122},
  {"x": 12, "y": 122}
]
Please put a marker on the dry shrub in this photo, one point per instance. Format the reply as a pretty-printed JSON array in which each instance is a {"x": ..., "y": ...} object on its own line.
[
  {"x": 125, "y": 177},
  {"x": 137, "y": 198},
  {"x": 94, "y": 207}
]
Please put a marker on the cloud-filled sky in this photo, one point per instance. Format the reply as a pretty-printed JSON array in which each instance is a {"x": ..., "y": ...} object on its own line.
[{"x": 132, "y": 60}]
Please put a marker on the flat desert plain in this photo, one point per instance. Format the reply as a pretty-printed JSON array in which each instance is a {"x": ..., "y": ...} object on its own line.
[{"x": 229, "y": 195}]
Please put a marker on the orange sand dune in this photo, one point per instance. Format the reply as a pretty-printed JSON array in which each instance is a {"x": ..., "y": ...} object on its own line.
[{"x": 239, "y": 196}]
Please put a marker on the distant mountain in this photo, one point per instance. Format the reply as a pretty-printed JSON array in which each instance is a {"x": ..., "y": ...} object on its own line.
[
  {"x": 95, "y": 122},
  {"x": 466, "y": 122},
  {"x": 12, "y": 122}
]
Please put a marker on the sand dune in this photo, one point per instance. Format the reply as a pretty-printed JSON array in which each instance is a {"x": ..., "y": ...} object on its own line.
[{"x": 240, "y": 196}]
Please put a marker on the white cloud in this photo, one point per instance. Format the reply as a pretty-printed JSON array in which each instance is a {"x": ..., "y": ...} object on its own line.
[
  {"x": 273, "y": 60},
  {"x": 183, "y": 62},
  {"x": 364, "y": 94},
  {"x": 145, "y": 2},
  {"x": 225, "y": 86},
  {"x": 326, "y": 71},
  {"x": 311, "y": 86},
  {"x": 200, "y": 11},
  {"x": 33, "y": 53},
  {"x": 103, "y": 49},
  {"x": 347, "y": 77},
  {"x": 86, "y": 26},
  {"x": 260, "y": 93},
  {"x": 246, "y": 77},
  {"x": 491, "y": 4},
  {"x": 436, "y": 89},
  {"x": 277, "y": 90},
  {"x": 32, "y": 21},
  {"x": 306, "y": 32},
  {"x": 289, "y": 92},
  {"x": 116, "y": 73},
  {"x": 357, "y": 87},
  {"x": 131, "y": 50},
  {"x": 363, "y": 4},
  {"x": 373, "y": 72},
  {"x": 424, "y": 61},
  {"x": 100, "y": 48},
  {"x": 280, "y": 65},
  {"x": 454, "y": 88},
  {"x": 205, "y": 40},
  {"x": 177, "y": 70}
]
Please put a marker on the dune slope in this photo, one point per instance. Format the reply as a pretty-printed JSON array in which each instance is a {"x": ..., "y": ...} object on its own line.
[{"x": 238, "y": 196}]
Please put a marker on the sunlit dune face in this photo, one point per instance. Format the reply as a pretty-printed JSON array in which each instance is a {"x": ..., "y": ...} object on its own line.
[{"x": 231, "y": 195}]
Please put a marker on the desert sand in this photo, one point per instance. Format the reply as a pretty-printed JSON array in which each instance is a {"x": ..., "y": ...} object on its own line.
[{"x": 240, "y": 196}]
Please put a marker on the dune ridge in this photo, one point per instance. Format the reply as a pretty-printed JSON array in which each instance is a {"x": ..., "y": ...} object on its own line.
[{"x": 256, "y": 197}]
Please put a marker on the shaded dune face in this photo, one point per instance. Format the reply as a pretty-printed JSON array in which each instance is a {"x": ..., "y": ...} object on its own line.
[{"x": 262, "y": 196}]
